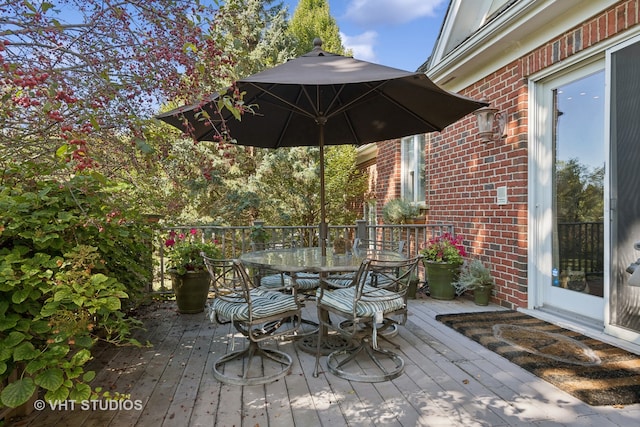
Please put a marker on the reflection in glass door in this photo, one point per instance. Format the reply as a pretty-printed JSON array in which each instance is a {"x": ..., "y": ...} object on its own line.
[{"x": 578, "y": 191}]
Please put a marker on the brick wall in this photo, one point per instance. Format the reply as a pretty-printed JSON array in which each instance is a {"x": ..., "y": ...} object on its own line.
[
  {"x": 388, "y": 170},
  {"x": 463, "y": 174}
]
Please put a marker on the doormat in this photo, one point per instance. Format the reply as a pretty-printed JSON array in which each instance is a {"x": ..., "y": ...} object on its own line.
[{"x": 595, "y": 372}]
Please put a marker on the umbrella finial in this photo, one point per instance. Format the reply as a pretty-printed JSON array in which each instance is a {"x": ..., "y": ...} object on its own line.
[{"x": 317, "y": 43}]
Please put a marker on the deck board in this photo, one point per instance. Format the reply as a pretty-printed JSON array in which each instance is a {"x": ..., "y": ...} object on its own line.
[{"x": 449, "y": 380}]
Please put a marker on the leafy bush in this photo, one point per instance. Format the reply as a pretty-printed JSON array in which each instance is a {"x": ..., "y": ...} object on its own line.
[
  {"x": 259, "y": 234},
  {"x": 184, "y": 251},
  {"x": 473, "y": 274},
  {"x": 398, "y": 211},
  {"x": 69, "y": 258}
]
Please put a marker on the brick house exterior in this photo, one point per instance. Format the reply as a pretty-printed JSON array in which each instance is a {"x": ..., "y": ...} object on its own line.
[{"x": 463, "y": 174}]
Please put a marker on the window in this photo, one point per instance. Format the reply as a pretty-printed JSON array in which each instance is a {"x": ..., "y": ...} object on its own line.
[{"x": 413, "y": 168}]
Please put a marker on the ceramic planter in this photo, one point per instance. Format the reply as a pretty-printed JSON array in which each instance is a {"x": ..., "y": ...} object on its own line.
[
  {"x": 191, "y": 289},
  {"x": 440, "y": 278},
  {"x": 482, "y": 294}
]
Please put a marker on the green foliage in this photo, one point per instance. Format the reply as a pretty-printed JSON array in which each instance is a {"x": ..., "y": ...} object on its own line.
[
  {"x": 398, "y": 211},
  {"x": 255, "y": 33},
  {"x": 288, "y": 183},
  {"x": 473, "y": 274},
  {"x": 184, "y": 251},
  {"x": 66, "y": 251},
  {"x": 580, "y": 192},
  {"x": 211, "y": 182},
  {"x": 346, "y": 185},
  {"x": 234, "y": 185},
  {"x": 259, "y": 234},
  {"x": 312, "y": 19}
]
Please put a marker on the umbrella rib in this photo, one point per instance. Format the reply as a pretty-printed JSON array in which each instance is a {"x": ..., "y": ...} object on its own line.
[
  {"x": 372, "y": 89},
  {"x": 350, "y": 103},
  {"x": 293, "y": 106},
  {"x": 410, "y": 112}
]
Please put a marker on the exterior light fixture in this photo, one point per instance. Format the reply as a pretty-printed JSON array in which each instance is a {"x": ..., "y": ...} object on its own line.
[{"x": 488, "y": 119}]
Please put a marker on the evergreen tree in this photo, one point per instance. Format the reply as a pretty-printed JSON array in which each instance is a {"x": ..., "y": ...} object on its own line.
[{"x": 312, "y": 19}]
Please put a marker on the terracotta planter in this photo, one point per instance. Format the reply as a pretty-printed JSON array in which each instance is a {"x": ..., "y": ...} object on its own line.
[
  {"x": 192, "y": 290},
  {"x": 440, "y": 278},
  {"x": 482, "y": 294}
]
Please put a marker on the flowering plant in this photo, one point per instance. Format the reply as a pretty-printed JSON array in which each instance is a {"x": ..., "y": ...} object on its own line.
[
  {"x": 444, "y": 248},
  {"x": 184, "y": 251}
]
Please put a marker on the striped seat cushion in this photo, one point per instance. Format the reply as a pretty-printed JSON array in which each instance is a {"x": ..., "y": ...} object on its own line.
[
  {"x": 369, "y": 305},
  {"x": 307, "y": 281},
  {"x": 264, "y": 304},
  {"x": 341, "y": 280},
  {"x": 275, "y": 281}
]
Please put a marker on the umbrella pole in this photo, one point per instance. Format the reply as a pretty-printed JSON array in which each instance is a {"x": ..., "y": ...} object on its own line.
[{"x": 323, "y": 214}]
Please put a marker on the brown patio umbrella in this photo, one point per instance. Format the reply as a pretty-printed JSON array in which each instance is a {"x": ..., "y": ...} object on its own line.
[{"x": 321, "y": 98}]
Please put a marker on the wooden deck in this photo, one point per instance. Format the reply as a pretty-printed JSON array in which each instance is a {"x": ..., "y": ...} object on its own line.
[{"x": 449, "y": 381}]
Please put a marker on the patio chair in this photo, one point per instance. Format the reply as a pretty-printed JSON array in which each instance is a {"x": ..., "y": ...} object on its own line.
[
  {"x": 273, "y": 279},
  {"x": 375, "y": 301},
  {"x": 387, "y": 245},
  {"x": 308, "y": 283},
  {"x": 260, "y": 315}
]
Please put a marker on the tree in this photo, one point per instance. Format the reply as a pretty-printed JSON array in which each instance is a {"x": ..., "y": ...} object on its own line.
[
  {"x": 79, "y": 77},
  {"x": 346, "y": 185},
  {"x": 288, "y": 179},
  {"x": 580, "y": 192},
  {"x": 209, "y": 181},
  {"x": 312, "y": 19}
]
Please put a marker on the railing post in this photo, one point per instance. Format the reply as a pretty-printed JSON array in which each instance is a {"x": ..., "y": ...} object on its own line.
[{"x": 361, "y": 229}]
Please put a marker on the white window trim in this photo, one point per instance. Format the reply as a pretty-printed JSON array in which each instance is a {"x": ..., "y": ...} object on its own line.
[{"x": 419, "y": 196}]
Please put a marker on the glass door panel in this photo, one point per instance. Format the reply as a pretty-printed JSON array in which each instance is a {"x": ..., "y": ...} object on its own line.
[
  {"x": 578, "y": 195},
  {"x": 625, "y": 207}
]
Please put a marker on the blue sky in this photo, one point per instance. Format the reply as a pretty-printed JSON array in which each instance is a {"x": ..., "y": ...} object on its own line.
[{"x": 395, "y": 33}]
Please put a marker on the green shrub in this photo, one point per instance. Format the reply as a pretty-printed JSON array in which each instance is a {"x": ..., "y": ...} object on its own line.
[
  {"x": 398, "y": 211},
  {"x": 70, "y": 256},
  {"x": 473, "y": 275}
]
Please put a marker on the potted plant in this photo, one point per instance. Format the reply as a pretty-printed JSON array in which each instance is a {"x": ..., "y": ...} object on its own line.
[
  {"x": 341, "y": 245},
  {"x": 412, "y": 290},
  {"x": 189, "y": 275},
  {"x": 259, "y": 236},
  {"x": 476, "y": 277},
  {"x": 399, "y": 211},
  {"x": 443, "y": 256}
]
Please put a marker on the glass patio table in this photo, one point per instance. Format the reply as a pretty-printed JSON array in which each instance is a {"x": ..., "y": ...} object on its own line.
[{"x": 310, "y": 260}]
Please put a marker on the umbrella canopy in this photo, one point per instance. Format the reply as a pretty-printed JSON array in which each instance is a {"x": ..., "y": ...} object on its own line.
[{"x": 321, "y": 98}]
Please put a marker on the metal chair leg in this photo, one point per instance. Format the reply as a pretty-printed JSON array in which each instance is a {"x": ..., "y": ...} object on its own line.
[
  {"x": 336, "y": 364},
  {"x": 247, "y": 356}
]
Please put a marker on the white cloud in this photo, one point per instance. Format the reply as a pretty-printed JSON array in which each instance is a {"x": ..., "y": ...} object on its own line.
[
  {"x": 362, "y": 45},
  {"x": 392, "y": 12}
]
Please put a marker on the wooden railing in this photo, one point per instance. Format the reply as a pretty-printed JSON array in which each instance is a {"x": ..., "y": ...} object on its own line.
[
  {"x": 236, "y": 240},
  {"x": 581, "y": 247}
]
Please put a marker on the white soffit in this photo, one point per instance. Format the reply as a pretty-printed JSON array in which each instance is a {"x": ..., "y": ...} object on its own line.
[{"x": 521, "y": 28}]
